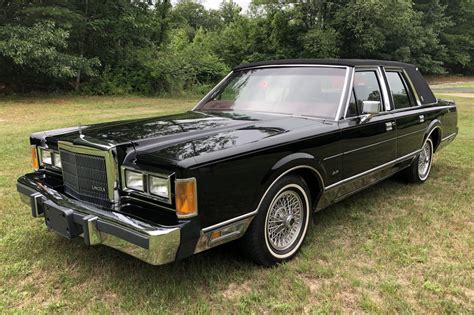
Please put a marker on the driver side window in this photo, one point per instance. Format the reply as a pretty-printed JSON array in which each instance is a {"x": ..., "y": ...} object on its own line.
[{"x": 366, "y": 88}]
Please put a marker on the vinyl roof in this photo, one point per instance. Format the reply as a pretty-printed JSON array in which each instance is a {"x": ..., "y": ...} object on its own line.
[{"x": 338, "y": 62}]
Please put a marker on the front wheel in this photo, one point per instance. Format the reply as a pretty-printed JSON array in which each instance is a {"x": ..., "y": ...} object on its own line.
[
  {"x": 277, "y": 232},
  {"x": 420, "y": 169}
]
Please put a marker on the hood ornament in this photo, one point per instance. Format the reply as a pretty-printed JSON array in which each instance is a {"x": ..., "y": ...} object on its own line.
[{"x": 80, "y": 131}]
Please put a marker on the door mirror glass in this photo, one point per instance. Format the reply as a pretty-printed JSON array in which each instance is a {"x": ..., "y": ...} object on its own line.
[{"x": 370, "y": 107}]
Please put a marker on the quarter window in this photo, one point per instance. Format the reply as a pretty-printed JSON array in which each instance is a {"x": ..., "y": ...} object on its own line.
[{"x": 398, "y": 89}]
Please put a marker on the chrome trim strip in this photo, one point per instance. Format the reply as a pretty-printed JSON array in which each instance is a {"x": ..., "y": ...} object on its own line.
[
  {"x": 372, "y": 169},
  {"x": 370, "y": 145},
  {"x": 230, "y": 221},
  {"x": 411, "y": 133},
  {"x": 450, "y": 136},
  {"x": 332, "y": 156},
  {"x": 347, "y": 84},
  {"x": 294, "y": 65}
]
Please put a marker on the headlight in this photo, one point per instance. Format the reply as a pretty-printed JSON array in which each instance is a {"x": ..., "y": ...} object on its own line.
[
  {"x": 159, "y": 186},
  {"x": 56, "y": 159},
  {"x": 50, "y": 158},
  {"x": 46, "y": 157},
  {"x": 134, "y": 180}
]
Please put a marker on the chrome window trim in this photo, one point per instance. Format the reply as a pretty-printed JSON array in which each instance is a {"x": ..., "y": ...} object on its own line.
[
  {"x": 347, "y": 78},
  {"x": 406, "y": 81},
  {"x": 146, "y": 183},
  {"x": 110, "y": 164},
  {"x": 382, "y": 85}
]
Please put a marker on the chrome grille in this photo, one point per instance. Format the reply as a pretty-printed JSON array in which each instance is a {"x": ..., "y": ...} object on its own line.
[{"x": 85, "y": 177}]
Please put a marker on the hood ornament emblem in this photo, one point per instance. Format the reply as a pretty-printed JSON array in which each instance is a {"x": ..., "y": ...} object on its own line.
[{"x": 80, "y": 131}]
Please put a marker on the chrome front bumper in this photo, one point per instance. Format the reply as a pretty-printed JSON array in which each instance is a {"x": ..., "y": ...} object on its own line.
[{"x": 154, "y": 244}]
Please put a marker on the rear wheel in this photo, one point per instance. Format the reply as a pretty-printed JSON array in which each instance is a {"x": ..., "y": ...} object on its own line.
[
  {"x": 420, "y": 169},
  {"x": 277, "y": 232}
]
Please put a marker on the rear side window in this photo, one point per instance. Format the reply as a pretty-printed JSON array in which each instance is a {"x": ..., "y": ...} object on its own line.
[{"x": 398, "y": 89}]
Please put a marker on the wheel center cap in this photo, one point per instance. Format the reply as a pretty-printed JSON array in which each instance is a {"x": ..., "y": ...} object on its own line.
[{"x": 289, "y": 221}]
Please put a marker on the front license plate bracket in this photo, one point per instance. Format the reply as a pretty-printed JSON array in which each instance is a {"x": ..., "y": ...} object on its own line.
[{"x": 60, "y": 220}]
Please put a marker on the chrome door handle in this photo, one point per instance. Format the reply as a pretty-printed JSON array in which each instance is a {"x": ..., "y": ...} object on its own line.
[
  {"x": 389, "y": 125},
  {"x": 422, "y": 118}
]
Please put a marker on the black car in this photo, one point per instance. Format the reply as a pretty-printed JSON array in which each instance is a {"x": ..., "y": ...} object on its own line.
[{"x": 270, "y": 144}]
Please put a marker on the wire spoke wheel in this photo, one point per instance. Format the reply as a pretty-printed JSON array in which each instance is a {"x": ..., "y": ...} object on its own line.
[
  {"x": 424, "y": 160},
  {"x": 285, "y": 220}
]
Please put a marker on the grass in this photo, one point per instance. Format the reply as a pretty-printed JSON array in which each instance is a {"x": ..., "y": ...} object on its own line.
[{"x": 392, "y": 248}]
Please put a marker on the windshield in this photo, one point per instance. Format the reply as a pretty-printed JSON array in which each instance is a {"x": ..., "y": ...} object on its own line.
[{"x": 312, "y": 91}]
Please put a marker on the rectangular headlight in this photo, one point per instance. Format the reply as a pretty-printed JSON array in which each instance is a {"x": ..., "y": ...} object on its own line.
[
  {"x": 159, "y": 186},
  {"x": 46, "y": 157},
  {"x": 56, "y": 159},
  {"x": 134, "y": 180}
]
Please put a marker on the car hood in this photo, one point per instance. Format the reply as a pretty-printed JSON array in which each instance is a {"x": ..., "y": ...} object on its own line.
[{"x": 188, "y": 136}]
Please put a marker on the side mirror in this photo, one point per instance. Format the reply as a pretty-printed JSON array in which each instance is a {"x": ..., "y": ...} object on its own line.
[{"x": 369, "y": 109}]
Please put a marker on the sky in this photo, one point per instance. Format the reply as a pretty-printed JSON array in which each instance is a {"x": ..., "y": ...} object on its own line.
[{"x": 214, "y": 4}]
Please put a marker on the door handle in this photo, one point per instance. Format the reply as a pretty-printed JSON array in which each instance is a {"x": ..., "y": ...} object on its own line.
[
  {"x": 422, "y": 118},
  {"x": 389, "y": 125}
]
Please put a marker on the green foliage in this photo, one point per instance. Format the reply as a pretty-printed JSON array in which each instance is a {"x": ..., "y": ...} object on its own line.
[{"x": 152, "y": 47}]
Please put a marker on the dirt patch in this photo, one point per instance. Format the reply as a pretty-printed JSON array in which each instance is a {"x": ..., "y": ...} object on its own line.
[
  {"x": 468, "y": 95},
  {"x": 236, "y": 290},
  {"x": 314, "y": 285}
]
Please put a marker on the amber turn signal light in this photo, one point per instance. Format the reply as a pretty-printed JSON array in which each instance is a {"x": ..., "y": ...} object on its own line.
[
  {"x": 186, "y": 197},
  {"x": 34, "y": 158}
]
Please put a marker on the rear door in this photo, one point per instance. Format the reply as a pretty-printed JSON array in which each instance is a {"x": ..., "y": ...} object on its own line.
[
  {"x": 409, "y": 116},
  {"x": 367, "y": 144}
]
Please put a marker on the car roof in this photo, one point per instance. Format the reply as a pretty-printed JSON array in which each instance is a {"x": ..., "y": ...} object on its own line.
[
  {"x": 420, "y": 84},
  {"x": 336, "y": 62}
]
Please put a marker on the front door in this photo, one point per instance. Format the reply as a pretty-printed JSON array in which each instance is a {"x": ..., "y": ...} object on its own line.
[{"x": 368, "y": 142}]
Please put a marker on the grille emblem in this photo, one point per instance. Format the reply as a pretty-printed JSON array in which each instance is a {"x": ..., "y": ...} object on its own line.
[{"x": 98, "y": 188}]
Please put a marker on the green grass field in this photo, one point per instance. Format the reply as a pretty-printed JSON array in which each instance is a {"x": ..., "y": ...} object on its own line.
[{"x": 392, "y": 248}]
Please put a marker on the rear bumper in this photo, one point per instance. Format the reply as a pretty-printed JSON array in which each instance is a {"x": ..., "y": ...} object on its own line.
[{"x": 153, "y": 244}]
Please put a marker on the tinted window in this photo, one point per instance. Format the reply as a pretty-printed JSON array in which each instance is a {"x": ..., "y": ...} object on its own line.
[
  {"x": 366, "y": 88},
  {"x": 315, "y": 91},
  {"x": 398, "y": 89}
]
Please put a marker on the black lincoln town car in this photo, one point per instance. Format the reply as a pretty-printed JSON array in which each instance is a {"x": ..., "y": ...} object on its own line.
[{"x": 270, "y": 144}]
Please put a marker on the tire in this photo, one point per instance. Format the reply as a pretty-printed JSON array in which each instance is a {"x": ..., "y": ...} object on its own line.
[
  {"x": 419, "y": 170},
  {"x": 278, "y": 230}
]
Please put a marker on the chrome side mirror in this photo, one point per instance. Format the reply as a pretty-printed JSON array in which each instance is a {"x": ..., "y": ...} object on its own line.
[{"x": 369, "y": 109}]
